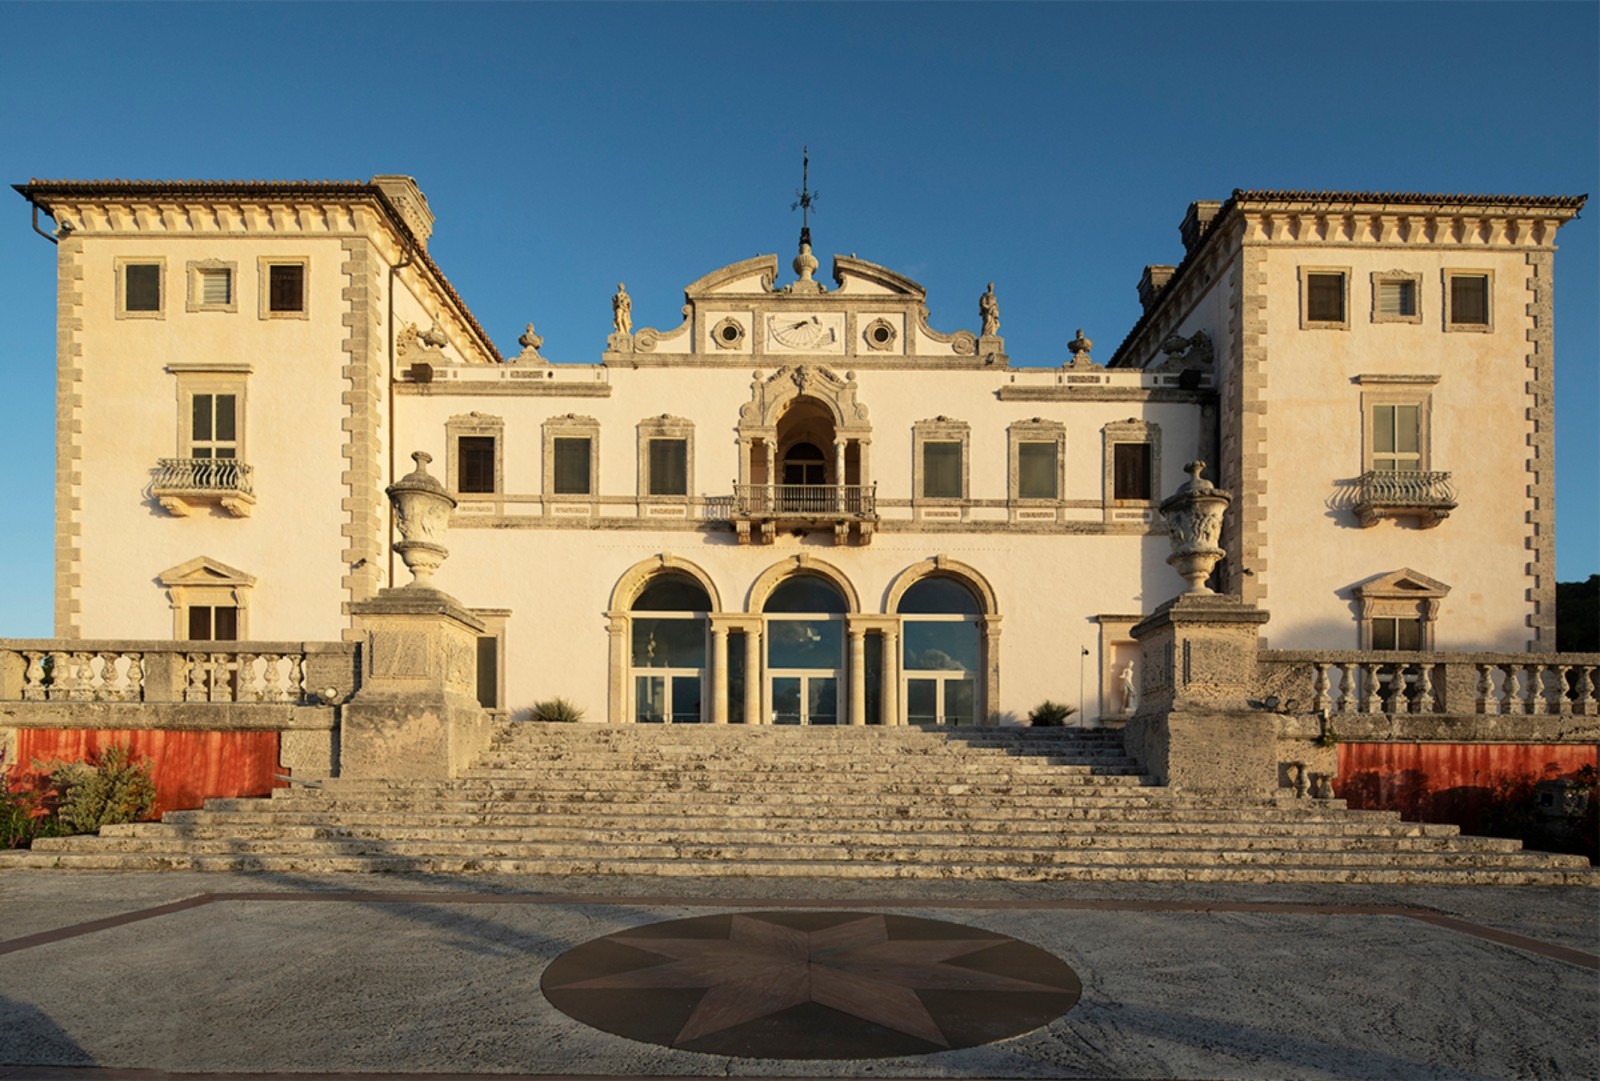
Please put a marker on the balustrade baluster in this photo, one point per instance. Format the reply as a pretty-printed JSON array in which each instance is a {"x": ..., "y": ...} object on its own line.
[
  {"x": 1319, "y": 685},
  {"x": 1347, "y": 687},
  {"x": 135, "y": 678},
  {"x": 297, "y": 678},
  {"x": 1532, "y": 703},
  {"x": 243, "y": 684},
  {"x": 1486, "y": 703},
  {"x": 1368, "y": 688},
  {"x": 197, "y": 668},
  {"x": 274, "y": 676},
  {"x": 1424, "y": 701},
  {"x": 33, "y": 685},
  {"x": 1564, "y": 690},
  {"x": 78, "y": 677},
  {"x": 1586, "y": 696},
  {"x": 108, "y": 687}
]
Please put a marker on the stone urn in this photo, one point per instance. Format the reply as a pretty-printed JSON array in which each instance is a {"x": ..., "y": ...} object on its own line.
[
  {"x": 422, "y": 511},
  {"x": 1194, "y": 524}
]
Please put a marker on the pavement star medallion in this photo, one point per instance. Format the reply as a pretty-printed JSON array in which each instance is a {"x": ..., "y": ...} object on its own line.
[{"x": 811, "y": 985}]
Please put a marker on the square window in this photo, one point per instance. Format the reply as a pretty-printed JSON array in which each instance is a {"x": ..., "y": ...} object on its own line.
[
  {"x": 1469, "y": 300},
  {"x": 1130, "y": 471},
  {"x": 213, "y": 623},
  {"x": 1036, "y": 471},
  {"x": 1397, "y": 633},
  {"x": 941, "y": 470},
  {"x": 141, "y": 287},
  {"x": 286, "y": 287},
  {"x": 1325, "y": 297},
  {"x": 571, "y": 466},
  {"x": 1397, "y": 298},
  {"x": 669, "y": 467},
  {"x": 216, "y": 286},
  {"x": 475, "y": 463}
]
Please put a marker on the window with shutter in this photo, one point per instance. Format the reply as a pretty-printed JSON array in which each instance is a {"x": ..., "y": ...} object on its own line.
[
  {"x": 142, "y": 287},
  {"x": 1036, "y": 471},
  {"x": 286, "y": 287},
  {"x": 669, "y": 467},
  {"x": 475, "y": 463},
  {"x": 1396, "y": 438},
  {"x": 216, "y": 287},
  {"x": 214, "y": 431},
  {"x": 941, "y": 470},
  {"x": 1130, "y": 471},
  {"x": 1325, "y": 297},
  {"x": 1469, "y": 301},
  {"x": 572, "y": 466},
  {"x": 1397, "y": 298}
]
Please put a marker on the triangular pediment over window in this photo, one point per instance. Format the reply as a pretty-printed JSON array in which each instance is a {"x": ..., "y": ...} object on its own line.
[
  {"x": 205, "y": 571},
  {"x": 1404, "y": 582}
]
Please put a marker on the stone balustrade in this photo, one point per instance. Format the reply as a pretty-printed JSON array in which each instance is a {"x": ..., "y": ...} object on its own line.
[
  {"x": 283, "y": 673},
  {"x": 1346, "y": 683}
]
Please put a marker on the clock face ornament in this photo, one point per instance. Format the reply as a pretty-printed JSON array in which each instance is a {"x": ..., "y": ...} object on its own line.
[{"x": 811, "y": 985}]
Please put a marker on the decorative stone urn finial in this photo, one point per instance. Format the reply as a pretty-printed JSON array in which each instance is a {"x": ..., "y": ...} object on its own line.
[
  {"x": 1080, "y": 346},
  {"x": 422, "y": 511},
  {"x": 1194, "y": 524}
]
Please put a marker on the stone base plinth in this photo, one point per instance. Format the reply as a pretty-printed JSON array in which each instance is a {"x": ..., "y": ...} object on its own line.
[
  {"x": 1198, "y": 651},
  {"x": 416, "y": 714},
  {"x": 1223, "y": 752}
]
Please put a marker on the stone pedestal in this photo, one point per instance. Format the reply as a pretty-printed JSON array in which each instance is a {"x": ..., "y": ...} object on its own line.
[
  {"x": 1195, "y": 729},
  {"x": 417, "y": 713}
]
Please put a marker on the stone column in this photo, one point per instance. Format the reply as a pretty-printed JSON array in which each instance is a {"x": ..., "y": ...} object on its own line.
[
  {"x": 753, "y": 678},
  {"x": 617, "y": 692},
  {"x": 858, "y": 675},
  {"x": 891, "y": 676},
  {"x": 772, "y": 474},
  {"x": 719, "y": 672},
  {"x": 991, "y": 670},
  {"x": 838, "y": 477}
]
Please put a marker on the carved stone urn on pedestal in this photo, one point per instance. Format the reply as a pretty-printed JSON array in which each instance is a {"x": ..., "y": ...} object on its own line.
[
  {"x": 422, "y": 511},
  {"x": 1194, "y": 523}
]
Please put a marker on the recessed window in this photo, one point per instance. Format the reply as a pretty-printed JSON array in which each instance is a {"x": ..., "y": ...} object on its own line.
[
  {"x": 572, "y": 466},
  {"x": 143, "y": 284},
  {"x": 1324, "y": 297},
  {"x": 1130, "y": 471},
  {"x": 284, "y": 293},
  {"x": 1397, "y": 298},
  {"x": 475, "y": 456},
  {"x": 1394, "y": 633},
  {"x": 1396, "y": 438},
  {"x": 213, "y": 623},
  {"x": 216, "y": 286},
  {"x": 669, "y": 467},
  {"x": 1036, "y": 471},
  {"x": 941, "y": 470},
  {"x": 214, "y": 430},
  {"x": 1467, "y": 298}
]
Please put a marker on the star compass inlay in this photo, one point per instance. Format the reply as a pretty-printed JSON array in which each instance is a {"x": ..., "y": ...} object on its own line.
[{"x": 811, "y": 985}]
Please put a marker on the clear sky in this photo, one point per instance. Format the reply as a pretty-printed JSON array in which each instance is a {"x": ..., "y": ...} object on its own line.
[{"x": 1049, "y": 148}]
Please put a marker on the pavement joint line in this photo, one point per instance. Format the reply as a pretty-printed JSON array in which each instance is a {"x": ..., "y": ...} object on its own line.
[
  {"x": 115, "y": 1073},
  {"x": 1580, "y": 958}
]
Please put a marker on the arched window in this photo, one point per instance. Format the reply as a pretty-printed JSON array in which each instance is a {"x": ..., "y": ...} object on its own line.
[
  {"x": 942, "y": 648},
  {"x": 805, "y": 650},
  {"x": 669, "y": 650}
]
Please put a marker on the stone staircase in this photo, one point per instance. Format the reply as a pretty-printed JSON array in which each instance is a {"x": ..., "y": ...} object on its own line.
[{"x": 871, "y": 803}]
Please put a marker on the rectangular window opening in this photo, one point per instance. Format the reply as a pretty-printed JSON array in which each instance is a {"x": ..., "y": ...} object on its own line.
[
  {"x": 286, "y": 285},
  {"x": 475, "y": 463},
  {"x": 1036, "y": 471},
  {"x": 1469, "y": 300},
  {"x": 1325, "y": 298},
  {"x": 1396, "y": 438},
  {"x": 941, "y": 470},
  {"x": 216, "y": 286},
  {"x": 571, "y": 466},
  {"x": 1130, "y": 471},
  {"x": 669, "y": 467},
  {"x": 141, "y": 287},
  {"x": 1397, "y": 634},
  {"x": 1397, "y": 298},
  {"x": 489, "y": 672},
  {"x": 213, "y": 623}
]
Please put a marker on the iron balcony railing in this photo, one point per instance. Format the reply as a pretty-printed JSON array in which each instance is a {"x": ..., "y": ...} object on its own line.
[
  {"x": 222, "y": 475},
  {"x": 805, "y": 500},
  {"x": 1384, "y": 493}
]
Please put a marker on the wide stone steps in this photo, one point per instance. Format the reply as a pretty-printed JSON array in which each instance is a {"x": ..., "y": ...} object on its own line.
[{"x": 848, "y": 803}]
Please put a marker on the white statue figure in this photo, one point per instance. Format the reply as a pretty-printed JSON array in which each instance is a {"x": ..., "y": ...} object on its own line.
[
  {"x": 989, "y": 312},
  {"x": 1130, "y": 693},
  {"x": 622, "y": 310}
]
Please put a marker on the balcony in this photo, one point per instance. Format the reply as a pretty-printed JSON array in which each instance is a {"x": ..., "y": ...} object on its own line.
[
  {"x": 182, "y": 484},
  {"x": 1427, "y": 497},
  {"x": 758, "y": 511}
]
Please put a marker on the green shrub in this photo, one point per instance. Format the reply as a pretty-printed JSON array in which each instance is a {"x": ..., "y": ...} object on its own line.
[
  {"x": 23, "y": 815},
  {"x": 110, "y": 787},
  {"x": 1048, "y": 714},
  {"x": 557, "y": 710}
]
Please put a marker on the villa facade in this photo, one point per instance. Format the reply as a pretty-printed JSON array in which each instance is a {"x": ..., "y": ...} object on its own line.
[{"x": 814, "y": 501}]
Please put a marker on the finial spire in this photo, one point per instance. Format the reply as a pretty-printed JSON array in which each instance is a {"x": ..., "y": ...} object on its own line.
[{"x": 805, "y": 197}]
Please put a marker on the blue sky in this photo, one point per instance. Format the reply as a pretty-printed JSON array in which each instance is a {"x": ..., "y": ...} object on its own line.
[{"x": 1050, "y": 148}]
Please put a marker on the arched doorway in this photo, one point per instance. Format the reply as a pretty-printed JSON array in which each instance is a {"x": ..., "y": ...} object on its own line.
[
  {"x": 668, "y": 627},
  {"x": 942, "y": 646},
  {"x": 805, "y": 631}
]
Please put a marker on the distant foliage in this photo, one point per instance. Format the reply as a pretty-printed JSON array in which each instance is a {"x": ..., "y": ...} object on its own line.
[
  {"x": 110, "y": 787},
  {"x": 1578, "y": 616},
  {"x": 1048, "y": 714},
  {"x": 557, "y": 710}
]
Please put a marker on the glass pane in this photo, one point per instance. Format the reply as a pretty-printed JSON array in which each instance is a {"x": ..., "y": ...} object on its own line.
[
  {"x": 806, "y": 593},
  {"x": 1406, "y": 429},
  {"x": 1383, "y": 429},
  {"x": 1383, "y": 634},
  {"x": 286, "y": 288},
  {"x": 1036, "y": 471},
  {"x": 786, "y": 700},
  {"x": 660, "y": 642},
  {"x": 1130, "y": 471},
  {"x": 202, "y": 416},
  {"x": 1325, "y": 298},
  {"x": 488, "y": 674},
  {"x": 199, "y": 623},
  {"x": 650, "y": 699},
  {"x": 960, "y": 700},
  {"x": 941, "y": 596},
  {"x": 572, "y": 466},
  {"x": 872, "y": 669},
  {"x": 142, "y": 285},
  {"x": 941, "y": 470},
  {"x": 669, "y": 467},
  {"x": 225, "y": 623},
  {"x": 1408, "y": 634},
  {"x": 941, "y": 647},
  {"x": 921, "y": 701},
  {"x": 736, "y": 679},
  {"x": 1469, "y": 300},
  {"x": 804, "y": 643},
  {"x": 225, "y": 418},
  {"x": 822, "y": 705},
  {"x": 475, "y": 468},
  {"x": 673, "y": 593},
  {"x": 685, "y": 699}
]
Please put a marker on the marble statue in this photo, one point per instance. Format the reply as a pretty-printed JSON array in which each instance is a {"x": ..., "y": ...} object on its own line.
[
  {"x": 1130, "y": 693},
  {"x": 989, "y": 313},
  {"x": 622, "y": 310}
]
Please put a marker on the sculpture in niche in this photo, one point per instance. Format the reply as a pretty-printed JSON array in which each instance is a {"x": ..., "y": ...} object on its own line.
[
  {"x": 989, "y": 313},
  {"x": 622, "y": 311},
  {"x": 1130, "y": 692}
]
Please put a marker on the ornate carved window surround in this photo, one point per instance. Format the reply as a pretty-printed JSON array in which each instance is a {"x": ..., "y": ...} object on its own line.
[
  {"x": 571, "y": 426},
  {"x": 468, "y": 425},
  {"x": 1035, "y": 432},
  {"x": 203, "y": 272},
  {"x": 1322, "y": 274},
  {"x": 1403, "y": 594},
  {"x": 935, "y": 431},
  {"x": 203, "y": 581},
  {"x": 1383, "y": 281},
  {"x": 1132, "y": 430},
  {"x": 665, "y": 427}
]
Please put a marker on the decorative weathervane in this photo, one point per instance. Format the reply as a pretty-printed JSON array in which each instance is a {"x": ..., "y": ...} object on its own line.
[{"x": 805, "y": 197}]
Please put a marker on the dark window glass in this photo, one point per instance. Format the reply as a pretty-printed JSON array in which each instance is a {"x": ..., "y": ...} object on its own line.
[
  {"x": 488, "y": 673},
  {"x": 938, "y": 596},
  {"x": 669, "y": 467},
  {"x": 142, "y": 285},
  {"x": 286, "y": 288},
  {"x": 1325, "y": 298},
  {"x": 805, "y": 593},
  {"x": 1130, "y": 470},
  {"x": 1403, "y": 634},
  {"x": 213, "y": 624},
  {"x": 669, "y": 642},
  {"x": 226, "y": 405},
  {"x": 1036, "y": 471},
  {"x": 572, "y": 466},
  {"x": 475, "y": 463},
  {"x": 673, "y": 593},
  {"x": 941, "y": 470},
  {"x": 1469, "y": 300},
  {"x": 203, "y": 406},
  {"x": 803, "y": 463}
]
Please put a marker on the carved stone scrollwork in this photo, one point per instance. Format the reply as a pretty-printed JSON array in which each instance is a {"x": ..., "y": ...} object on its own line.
[
  {"x": 964, "y": 343},
  {"x": 768, "y": 396},
  {"x": 646, "y": 340},
  {"x": 1195, "y": 351}
]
